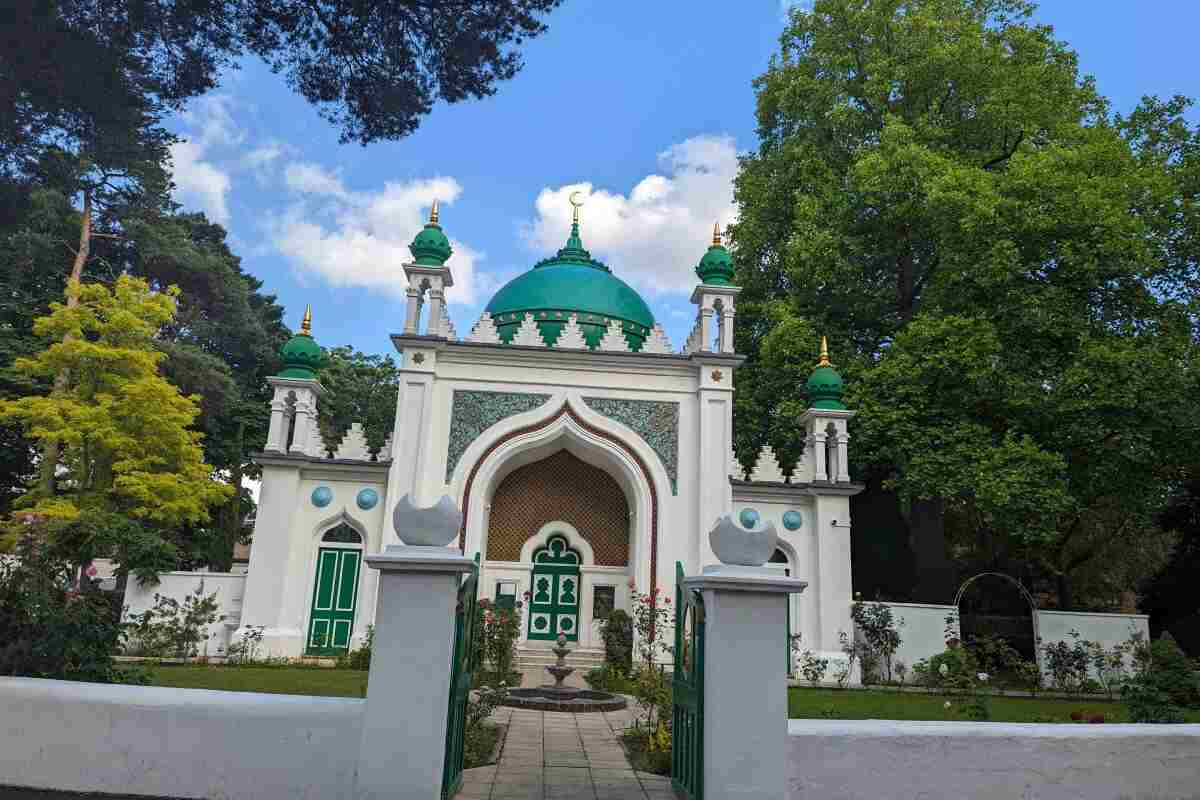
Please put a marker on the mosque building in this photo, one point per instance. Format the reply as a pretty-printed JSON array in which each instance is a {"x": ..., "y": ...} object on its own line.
[{"x": 587, "y": 457}]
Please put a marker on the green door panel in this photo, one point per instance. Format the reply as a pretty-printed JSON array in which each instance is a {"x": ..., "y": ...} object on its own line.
[
  {"x": 554, "y": 596},
  {"x": 335, "y": 595}
]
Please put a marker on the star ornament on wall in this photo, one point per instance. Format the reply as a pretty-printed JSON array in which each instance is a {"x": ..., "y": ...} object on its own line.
[
  {"x": 418, "y": 358},
  {"x": 717, "y": 375}
]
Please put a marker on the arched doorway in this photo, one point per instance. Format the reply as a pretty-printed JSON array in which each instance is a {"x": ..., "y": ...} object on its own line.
[
  {"x": 992, "y": 604},
  {"x": 554, "y": 596},
  {"x": 335, "y": 592}
]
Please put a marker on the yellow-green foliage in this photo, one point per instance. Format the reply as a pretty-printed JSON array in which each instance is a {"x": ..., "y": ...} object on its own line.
[{"x": 123, "y": 429}]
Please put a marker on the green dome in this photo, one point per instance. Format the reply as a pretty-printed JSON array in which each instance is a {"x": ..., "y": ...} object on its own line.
[
  {"x": 302, "y": 356},
  {"x": 431, "y": 248},
  {"x": 825, "y": 386},
  {"x": 571, "y": 282},
  {"x": 716, "y": 268}
]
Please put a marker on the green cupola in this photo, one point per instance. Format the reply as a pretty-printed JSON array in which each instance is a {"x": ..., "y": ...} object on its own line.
[
  {"x": 825, "y": 387},
  {"x": 571, "y": 282},
  {"x": 302, "y": 356},
  {"x": 431, "y": 248},
  {"x": 716, "y": 268}
]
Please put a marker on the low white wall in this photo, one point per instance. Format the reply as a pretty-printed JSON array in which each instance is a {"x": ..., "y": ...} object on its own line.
[
  {"x": 923, "y": 633},
  {"x": 1107, "y": 629},
  {"x": 90, "y": 737},
  {"x": 870, "y": 759},
  {"x": 229, "y": 587}
]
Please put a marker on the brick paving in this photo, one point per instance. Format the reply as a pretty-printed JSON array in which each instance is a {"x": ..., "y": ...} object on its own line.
[{"x": 548, "y": 755}]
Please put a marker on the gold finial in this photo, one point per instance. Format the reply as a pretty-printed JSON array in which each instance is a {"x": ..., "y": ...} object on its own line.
[
  {"x": 716, "y": 234},
  {"x": 306, "y": 323},
  {"x": 575, "y": 204},
  {"x": 824, "y": 362},
  {"x": 433, "y": 213}
]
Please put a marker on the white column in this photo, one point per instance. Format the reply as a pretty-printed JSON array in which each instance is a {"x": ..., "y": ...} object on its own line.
[
  {"x": 266, "y": 580},
  {"x": 745, "y": 680},
  {"x": 833, "y": 589},
  {"x": 412, "y": 310},
  {"x": 843, "y": 457},
  {"x": 277, "y": 431},
  {"x": 413, "y": 418},
  {"x": 304, "y": 418},
  {"x": 727, "y": 330},
  {"x": 706, "y": 335},
  {"x": 715, "y": 496},
  {"x": 437, "y": 299},
  {"x": 402, "y": 753},
  {"x": 819, "y": 443}
]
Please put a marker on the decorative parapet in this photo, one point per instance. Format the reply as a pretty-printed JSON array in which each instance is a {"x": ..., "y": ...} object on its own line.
[
  {"x": 472, "y": 412},
  {"x": 614, "y": 338},
  {"x": 657, "y": 341},
  {"x": 766, "y": 469},
  {"x": 385, "y": 452},
  {"x": 353, "y": 446},
  {"x": 571, "y": 337},
  {"x": 484, "y": 331},
  {"x": 695, "y": 340},
  {"x": 656, "y": 421},
  {"x": 736, "y": 470},
  {"x": 528, "y": 333},
  {"x": 448, "y": 325}
]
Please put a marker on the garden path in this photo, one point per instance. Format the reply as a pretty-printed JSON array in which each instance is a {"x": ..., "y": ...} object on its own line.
[{"x": 548, "y": 755}]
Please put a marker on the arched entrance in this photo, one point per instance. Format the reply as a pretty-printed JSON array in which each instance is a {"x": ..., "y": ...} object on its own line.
[
  {"x": 554, "y": 596},
  {"x": 335, "y": 591},
  {"x": 992, "y": 604}
]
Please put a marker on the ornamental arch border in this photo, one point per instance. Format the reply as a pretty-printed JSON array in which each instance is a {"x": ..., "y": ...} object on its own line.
[
  {"x": 1033, "y": 609},
  {"x": 590, "y": 436}
]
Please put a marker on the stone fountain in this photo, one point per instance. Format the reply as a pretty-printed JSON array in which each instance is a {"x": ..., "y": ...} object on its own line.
[{"x": 563, "y": 698}]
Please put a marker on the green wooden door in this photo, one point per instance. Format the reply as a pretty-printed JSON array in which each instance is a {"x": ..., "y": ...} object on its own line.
[
  {"x": 335, "y": 594},
  {"x": 554, "y": 596}
]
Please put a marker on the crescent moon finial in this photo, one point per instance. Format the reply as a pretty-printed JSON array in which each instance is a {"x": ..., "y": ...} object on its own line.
[{"x": 576, "y": 202}]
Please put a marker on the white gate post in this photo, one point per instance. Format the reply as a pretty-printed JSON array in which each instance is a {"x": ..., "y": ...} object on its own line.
[
  {"x": 408, "y": 693},
  {"x": 745, "y": 683}
]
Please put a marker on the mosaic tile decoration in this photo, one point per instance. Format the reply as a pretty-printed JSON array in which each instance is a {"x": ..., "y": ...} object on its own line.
[
  {"x": 473, "y": 412},
  {"x": 656, "y": 421}
]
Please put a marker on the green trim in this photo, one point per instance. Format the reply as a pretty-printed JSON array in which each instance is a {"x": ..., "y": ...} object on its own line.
[{"x": 687, "y": 718}]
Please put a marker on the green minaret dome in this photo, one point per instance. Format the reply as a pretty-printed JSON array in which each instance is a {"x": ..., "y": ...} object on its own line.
[
  {"x": 571, "y": 282},
  {"x": 716, "y": 268},
  {"x": 302, "y": 356},
  {"x": 825, "y": 387},
  {"x": 431, "y": 248}
]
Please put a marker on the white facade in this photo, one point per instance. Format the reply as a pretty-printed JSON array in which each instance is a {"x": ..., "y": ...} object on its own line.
[{"x": 471, "y": 412}]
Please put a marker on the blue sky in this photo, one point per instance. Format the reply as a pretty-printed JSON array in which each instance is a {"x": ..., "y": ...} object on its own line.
[{"x": 647, "y": 103}]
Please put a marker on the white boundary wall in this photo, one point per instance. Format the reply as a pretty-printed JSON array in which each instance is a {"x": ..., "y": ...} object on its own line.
[
  {"x": 871, "y": 759},
  {"x": 229, "y": 587},
  {"x": 923, "y": 633},
  {"x": 90, "y": 737}
]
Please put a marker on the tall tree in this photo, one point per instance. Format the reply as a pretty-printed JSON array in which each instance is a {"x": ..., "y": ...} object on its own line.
[
  {"x": 128, "y": 445},
  {"x": 992, "y": 252}
]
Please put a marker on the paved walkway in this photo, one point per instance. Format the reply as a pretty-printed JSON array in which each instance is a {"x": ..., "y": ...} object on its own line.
[{"x": 548, "y": 755}]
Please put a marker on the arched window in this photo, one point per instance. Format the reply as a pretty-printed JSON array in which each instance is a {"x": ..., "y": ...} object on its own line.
[{"x": 342, "y": 534}]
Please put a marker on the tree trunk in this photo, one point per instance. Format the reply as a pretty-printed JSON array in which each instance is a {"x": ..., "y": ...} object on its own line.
[
  {"x": 50, "y": 451},
  {"x": 1065, "y": 600}
]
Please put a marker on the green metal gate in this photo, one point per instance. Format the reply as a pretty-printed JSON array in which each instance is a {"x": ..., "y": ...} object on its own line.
[
  {"x": 554, "y": 596},
  {"x": 687, "y": 718},
  {"x": 461, "y": 677}
]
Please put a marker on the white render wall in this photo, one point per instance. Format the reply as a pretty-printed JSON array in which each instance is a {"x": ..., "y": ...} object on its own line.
[
  {"x": 229, "y": 588},
  {"x": 923, "y": 633},
  {"x": 872, "y": 759},
  {"x": 90, "y": 737}
]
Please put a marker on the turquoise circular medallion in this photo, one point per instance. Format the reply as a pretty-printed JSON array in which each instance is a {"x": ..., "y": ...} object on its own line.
[
  {"x": 748, "y": 518},
  {"x": 367, "y": 499},
  {"x": 792, "y": 520},
  {"x": 322, "y": 496}
]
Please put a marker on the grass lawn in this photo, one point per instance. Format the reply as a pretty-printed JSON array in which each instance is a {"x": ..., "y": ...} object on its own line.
[
  {"x": 805, "y": 703},
  {"x": 275, "y": 680}
]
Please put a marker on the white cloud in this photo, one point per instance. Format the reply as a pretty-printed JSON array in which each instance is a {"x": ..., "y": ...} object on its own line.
[
  {"x": 654, "y": 235},
  {"x": 199, "y": 183},
  {"x": 211, "y": 120},
  {"x": 349, "y": 238}
]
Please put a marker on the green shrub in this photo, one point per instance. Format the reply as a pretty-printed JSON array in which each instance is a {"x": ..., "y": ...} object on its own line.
[
  {"x": 49, "y": 630},
  {"x": 496, "y": 633},
  {"x": 173, "y": 629},
  {"x": 1163, "y": 684},
  {"x": 618, "y": 640},
  {"x": 607, "y": 678},
  {"x": 359, "y": 658}
]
